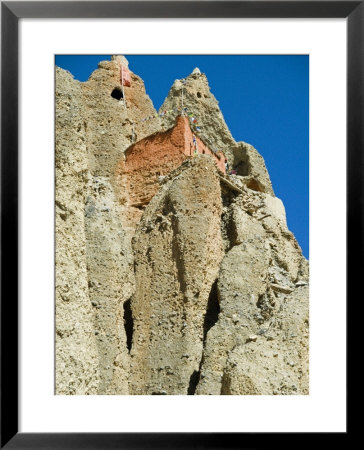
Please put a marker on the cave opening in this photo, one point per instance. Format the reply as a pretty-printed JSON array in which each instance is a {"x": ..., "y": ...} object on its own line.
[
  {"x": 243, "y": 167},
  {"x": 128, "y": 324},
  {"x": 117, "y": 93}
]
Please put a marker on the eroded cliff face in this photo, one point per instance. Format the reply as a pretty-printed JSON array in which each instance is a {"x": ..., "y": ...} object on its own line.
[
  {"x": 200, "y": 102},
  {"x": 259, "y": 344},
  {"x": 93, "y": 130},
  {"x": 177, "y": 248},
  {"x": 77, "y": 359},
  {"x": 200, "y": 290}
]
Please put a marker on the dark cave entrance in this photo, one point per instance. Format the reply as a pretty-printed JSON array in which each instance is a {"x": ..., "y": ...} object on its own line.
[
  {"x": 128, "y": 324},
  {"x": 242, "y": 168},
  {"x": 117, "y": 93}
]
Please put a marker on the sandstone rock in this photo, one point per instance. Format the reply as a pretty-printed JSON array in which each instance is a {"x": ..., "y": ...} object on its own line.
[
  {"x": 214, "y": 132},
  {"x": 241, "y": 282},
  {"x": 120, "y": 59},
  {"x": 77, "y": 362},
  {"x": 251, "y": 166},
  {"x": 109, "y": 254},
  {"x": 255, "y": 372},
  {"x": 262, "y": 262},
  {"x": 171, "y": 276},
  {"x": 178, "y": 249},
  {"x": 104, "y": 133}
]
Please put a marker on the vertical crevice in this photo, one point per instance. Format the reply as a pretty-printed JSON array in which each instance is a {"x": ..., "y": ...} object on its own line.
[
  {"x": 194, "y": 379},
  {"x": 211, "y": 316},
  {"x": 212, "y": 311},
  {"x": 128, "y": 324},
  {"x": 228, "y": 228}
]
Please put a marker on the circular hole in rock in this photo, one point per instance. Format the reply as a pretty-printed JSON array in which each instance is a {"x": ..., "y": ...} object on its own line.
[{"x": 117, "y": 94}]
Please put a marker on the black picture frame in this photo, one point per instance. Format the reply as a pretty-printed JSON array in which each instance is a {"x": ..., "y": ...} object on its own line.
[{"x": 11, "y": 12}]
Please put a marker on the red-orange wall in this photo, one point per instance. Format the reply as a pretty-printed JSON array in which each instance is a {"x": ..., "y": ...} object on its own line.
[{"x": 157, "y": 155}]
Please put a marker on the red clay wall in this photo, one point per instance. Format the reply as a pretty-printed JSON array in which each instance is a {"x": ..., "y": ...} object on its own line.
[{"x": 157, "y": 155}]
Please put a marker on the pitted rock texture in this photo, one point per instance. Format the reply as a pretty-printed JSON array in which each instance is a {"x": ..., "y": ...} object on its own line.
[
  {"x": 172, "y": 277},
  {"x": 200, "y": 101},
  {"x": 77, "y": 359},
  {"x": 100, "y": 126},
  {"x": 178, "y": 249}
]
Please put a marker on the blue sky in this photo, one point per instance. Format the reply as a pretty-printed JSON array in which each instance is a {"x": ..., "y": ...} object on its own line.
[{"x": 264, "y": 100}]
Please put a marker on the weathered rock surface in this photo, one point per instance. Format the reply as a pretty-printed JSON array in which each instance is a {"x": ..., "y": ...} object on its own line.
[
  {"x": 275, "y": 361},
  {"x": 199, "y": 100},
  {"x": 178, "y": 249},
  {"x": 101, "y": 127},
  {"x": 256, "y": 289},
  {"x": 77, "y": 361},
  {"x": 177, "y": 280}
]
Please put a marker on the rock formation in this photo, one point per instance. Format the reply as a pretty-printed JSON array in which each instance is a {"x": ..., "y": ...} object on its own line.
[{"x": 172, "y": 276}]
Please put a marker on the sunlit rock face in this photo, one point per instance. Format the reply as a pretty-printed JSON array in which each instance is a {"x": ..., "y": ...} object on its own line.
[{"x": 172, "y": 276}]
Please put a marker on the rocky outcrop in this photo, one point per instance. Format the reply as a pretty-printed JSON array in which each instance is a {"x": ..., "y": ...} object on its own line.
[
  {"x": 77, "y": 358},
  {"x": 178, "y": 249},
  {"x": 261, "y": 280},
  {"x": 172, "y": 277},
  {"x": 199, "y": 101},
  {"x": 100, "y": 125},
  {"x": 275, "y": 360}
]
